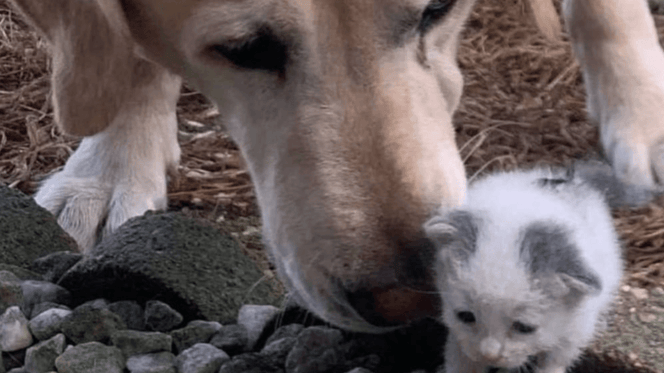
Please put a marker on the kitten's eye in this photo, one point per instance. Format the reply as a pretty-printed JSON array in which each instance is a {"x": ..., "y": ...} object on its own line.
[
  {"x": 466, "y": 317},
  {"x": 264, "y": 51},
  {"x": 523, "y": 328}
]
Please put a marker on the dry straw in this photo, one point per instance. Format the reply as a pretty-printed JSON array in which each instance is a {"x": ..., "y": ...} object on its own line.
[{"x": 523, "y": 105}]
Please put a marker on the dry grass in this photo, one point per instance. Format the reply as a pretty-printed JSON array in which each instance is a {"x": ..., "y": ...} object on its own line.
[{"x": 523, "y": 104}]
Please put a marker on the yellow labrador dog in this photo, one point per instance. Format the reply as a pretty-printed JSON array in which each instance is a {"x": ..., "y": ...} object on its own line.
[{"x": 342, "y": 109}]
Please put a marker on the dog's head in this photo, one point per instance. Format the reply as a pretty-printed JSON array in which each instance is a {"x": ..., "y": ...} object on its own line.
[{"x": 342, "y": 109}]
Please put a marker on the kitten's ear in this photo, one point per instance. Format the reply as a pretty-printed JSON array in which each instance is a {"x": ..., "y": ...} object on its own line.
[{"x": 567, "y": 288}]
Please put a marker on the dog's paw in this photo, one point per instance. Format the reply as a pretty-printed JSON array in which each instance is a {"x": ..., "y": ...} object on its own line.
[
  {"x": 103, "y": 184},
  {"x": 634, "y": 145}
]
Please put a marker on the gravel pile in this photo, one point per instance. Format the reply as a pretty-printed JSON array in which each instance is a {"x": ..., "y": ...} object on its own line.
[{"x": 39, "y": 332}]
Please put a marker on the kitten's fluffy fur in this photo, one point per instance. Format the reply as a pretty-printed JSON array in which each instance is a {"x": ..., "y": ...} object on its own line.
[{"x": 526, "y": 269}]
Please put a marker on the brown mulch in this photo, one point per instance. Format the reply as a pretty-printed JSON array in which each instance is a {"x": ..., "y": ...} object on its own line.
[{"x": 523, "y": 104}]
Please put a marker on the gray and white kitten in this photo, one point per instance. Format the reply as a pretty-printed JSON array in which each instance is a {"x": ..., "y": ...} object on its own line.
[{"x": 527, "y": 267}]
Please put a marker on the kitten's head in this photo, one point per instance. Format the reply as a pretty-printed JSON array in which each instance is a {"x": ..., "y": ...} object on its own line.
[{"x": 508, "y": 291}]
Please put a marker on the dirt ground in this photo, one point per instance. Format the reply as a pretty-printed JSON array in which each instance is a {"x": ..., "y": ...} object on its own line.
[{"x": 523, "y": 104}]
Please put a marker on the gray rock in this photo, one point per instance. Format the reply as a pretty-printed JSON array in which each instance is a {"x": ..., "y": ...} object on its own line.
[
  {"x": 38, "y": 308},
  {"x": 359, "y": 370},
  {"x": 10, "y": 289},
  {"x": 290, "y": 330},
  {"x": 27, "y": 231},
  {"x": 160, "y": 317},
  {"x": 232, "y": 339},
  {"x": 188, "y": 263},
  {"x": 48, "y": 323},
  {"x": 132, "y": 342},
  {"x": 35, "y": 292},
  {"x": 130, "y": 312},
  {"x": 160, "y": 362},
  {"x": 14, "y": 332},
  {"x": 278, "y": 350},
  {"x": 40, "y": 358},
  {"x": 200, "y": 358},
  {"x": 250, "y": 363},
  {"x": 195, "y": 332},
  {"x": 315, "y": 351},
  {"x": 254, "y": 318},
  {"x": 20, "y": 272},
  {"x": 91, "y": 357},
  {"x": 88, "y": 323},
  {"x": 18, "y": 370},
  {"x": 53, "y": 266}
]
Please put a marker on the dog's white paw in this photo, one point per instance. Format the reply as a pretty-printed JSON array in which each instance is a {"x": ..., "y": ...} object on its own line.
[
  {"x": 633, "y": 141},
  {"x": 113, "y": 176}
]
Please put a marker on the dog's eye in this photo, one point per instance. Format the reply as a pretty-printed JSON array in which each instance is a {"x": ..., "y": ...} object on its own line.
[
  {"x": 433, "y": 13},
  {"x": 466, "y": 317},
  {"x": 522, "y": 328},
  {"x": 263, "y": 51}
]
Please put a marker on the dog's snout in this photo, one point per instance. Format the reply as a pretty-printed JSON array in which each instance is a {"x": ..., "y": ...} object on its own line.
[{"x": 393, "y": 306}]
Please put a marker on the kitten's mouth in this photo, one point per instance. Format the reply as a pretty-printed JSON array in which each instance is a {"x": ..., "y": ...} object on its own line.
[{"x": 530, "y": 366}]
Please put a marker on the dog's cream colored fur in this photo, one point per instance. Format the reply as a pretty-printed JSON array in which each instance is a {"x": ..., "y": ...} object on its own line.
[{"x": 350, "y": 148}]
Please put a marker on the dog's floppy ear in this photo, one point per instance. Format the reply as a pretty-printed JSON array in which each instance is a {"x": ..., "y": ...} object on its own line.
[{"x": 93, "y": 59}]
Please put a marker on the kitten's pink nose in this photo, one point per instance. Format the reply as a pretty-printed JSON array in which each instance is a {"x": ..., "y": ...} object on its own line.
[{"x": 490, "y": 348}]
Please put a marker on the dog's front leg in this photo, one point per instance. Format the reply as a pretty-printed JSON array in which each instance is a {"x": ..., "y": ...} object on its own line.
[
  {"x": 617, "y": 46},
  {"x": 120, "y": 172}
]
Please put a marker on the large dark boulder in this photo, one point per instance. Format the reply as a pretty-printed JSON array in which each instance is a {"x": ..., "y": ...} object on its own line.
[
  {"x": 185, "y": 263},
  {"x": 28, "y": 231}
]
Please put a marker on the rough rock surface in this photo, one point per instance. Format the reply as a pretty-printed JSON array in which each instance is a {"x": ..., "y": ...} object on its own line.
[
  {"x": 14, "y": 331},
  {"x": 53, "y": 266},
  {"x": 91, "y": 357},
  {"x": 186, "y": 263},
  {"x": 28, "y": 231}
]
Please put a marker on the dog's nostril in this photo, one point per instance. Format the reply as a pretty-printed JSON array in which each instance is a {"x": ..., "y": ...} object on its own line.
[{"x": 364, "y": 302}]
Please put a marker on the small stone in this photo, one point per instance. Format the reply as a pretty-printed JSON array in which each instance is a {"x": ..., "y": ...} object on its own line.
[
  {"x": 255, "y": 318},
  {"x": 625, "y": 288},
  {"x": 315, "y": 350},
  {"x": 130, "y": 312},
  {"x": 232, "y": 339},
  {"x": 160, "y": 317},
  {"x": 278, "y": 350},
  {"x": 41, "y": 357},
  {"x": 11, "y": 293},
  {"x": 53, "y": 266},
  {"x": 632, "y": 310},
  {"x": 290, "y": 330},
  {"x": 640, "y": 293},
  {"x": 647, "y": 317},
  {"x": 201, "y": 358},
  {"x": 91, "y": 357},
  {"x": 35, "y": 292},
  {"x": 160, "y": 362},
  {"x": 14, "y": 331},
  {"x": 97, "y": 304},
  {"x": 132, "y": 342},
  {"x": 359, "y": 370},
  {"x": 48, "y": 323},
  {"x": 89, "y": 323},
  {"x": 38, "y": 308},
  {"x": 250, "y": 363},
  {"x": 195, "y": 332},
  {"x": 633, "y": 356}
]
